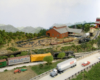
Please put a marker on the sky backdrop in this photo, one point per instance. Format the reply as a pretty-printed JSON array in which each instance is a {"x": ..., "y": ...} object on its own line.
[{"x": 45, "y": 13}]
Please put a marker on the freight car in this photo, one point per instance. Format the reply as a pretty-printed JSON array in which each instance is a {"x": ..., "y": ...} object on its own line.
[
  {"x": 3, "y": 63},
  {"x": 23, "y": 59},
  {"x": 39, "y": 57},
  {"x": 17, "y": 60}
]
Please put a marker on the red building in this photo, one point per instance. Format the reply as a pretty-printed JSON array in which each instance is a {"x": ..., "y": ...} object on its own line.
[
  {"x": 97, "y": 23},
  {"x": 62, "y": 31}
]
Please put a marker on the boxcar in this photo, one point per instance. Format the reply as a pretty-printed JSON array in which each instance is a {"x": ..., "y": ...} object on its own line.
[
  {"x": 17, "y": 60},
  {"x": 3, "y": 63},
  {"x": 39, "y": 57}
]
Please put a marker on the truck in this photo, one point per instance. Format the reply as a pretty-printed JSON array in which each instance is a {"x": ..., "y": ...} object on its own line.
[
  {"x": 70, "y": 63},
  {"x": 17, "y": 70}
]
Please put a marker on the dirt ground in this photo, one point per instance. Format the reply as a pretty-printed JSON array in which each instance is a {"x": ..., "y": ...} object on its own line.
[{"x": 9, "y": 75}]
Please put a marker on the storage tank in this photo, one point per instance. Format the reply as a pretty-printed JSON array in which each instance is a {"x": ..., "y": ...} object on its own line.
[{"x": 66, "y": 64}]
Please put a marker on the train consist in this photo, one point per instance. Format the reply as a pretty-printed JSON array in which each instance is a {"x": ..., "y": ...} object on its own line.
[
  {"x": 31, "y": 58},
  {"x": 23, "y": 59}
]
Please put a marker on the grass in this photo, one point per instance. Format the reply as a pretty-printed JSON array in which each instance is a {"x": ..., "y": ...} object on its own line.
[
  {"x": 39, "y": 70},
  {"x": 12, "y": 49},
  {"x": 5, "y": 70},
  {"x": 92, "y": 74}
]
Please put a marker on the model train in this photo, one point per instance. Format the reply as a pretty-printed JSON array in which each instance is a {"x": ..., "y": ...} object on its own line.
[
  {"x": 31, "y": 58},
  {"x": 23, "y": 59}
]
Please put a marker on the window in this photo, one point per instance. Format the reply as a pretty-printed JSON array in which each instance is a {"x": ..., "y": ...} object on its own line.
[
  {"x": 52, "y": 34},
  {"x": 58, "y": 35}
]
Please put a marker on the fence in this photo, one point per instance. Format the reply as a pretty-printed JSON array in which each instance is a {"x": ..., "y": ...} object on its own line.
[
  {"x": 48, "y": 72},
  {"x": 41, "y": 75}
]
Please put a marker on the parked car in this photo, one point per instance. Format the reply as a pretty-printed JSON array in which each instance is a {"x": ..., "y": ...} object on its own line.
[{"x": 85, "y": 63}]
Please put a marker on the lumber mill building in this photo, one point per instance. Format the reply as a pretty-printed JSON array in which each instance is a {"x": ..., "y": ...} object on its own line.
[{"x": 62, "y": 31}]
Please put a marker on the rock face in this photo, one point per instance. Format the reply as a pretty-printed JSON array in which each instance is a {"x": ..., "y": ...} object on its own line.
[
  {"x": 3, "y": 52},
  {"x": 95, "y": 45}
]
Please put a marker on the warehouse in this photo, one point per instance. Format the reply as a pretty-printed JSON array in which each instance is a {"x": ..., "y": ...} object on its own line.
[{"x": 62, "y": 31}]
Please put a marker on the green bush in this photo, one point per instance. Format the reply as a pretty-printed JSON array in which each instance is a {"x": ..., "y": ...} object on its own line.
[
  {"x": 5, "y": 57},
  {"x": 11, "y": 56},
  {"x": 12, "y": 49},
  {"x": 1, "y": 57},
  {"x": 48, "y": 59},
  {"x": 40, "y": 65},
  {"x": 5, "y": 70},
  {"x": 61, "y": 55},
  {"x": 18, "y": 55},
  {"x": 23, "y": 53}
]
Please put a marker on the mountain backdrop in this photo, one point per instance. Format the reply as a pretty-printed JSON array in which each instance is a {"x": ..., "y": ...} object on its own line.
[{"x": 28, "y": 29}]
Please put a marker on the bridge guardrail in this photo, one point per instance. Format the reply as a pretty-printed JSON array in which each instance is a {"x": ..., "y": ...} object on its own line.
[{"x": 85, "y": 69}]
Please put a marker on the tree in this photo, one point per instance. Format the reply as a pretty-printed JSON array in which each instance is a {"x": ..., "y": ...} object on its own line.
[
  {"x": 61, "y": 55},
  {"x": 84, "y": 45},
  {"x": 19, "y": 37},
  {"x": 11, "y": 56},
  {"x": 4, "y": 57},
  {"x": 48, "y": 59},
  {"x": 24, "y": 53}
]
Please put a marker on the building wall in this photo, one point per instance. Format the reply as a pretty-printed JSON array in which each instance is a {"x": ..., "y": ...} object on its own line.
[
  {"x": 54, "y": 33},
  {"x": 98, "y": 19},
  {"x": 98, "y": 24}
]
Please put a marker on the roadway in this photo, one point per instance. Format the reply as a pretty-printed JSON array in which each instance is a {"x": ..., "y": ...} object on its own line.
[
  {"x": 32, "y": 63},
  {"x": 71, "y": 71}
]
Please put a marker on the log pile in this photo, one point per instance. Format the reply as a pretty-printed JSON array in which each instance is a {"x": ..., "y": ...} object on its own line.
[
  {"x": 68, "y": 40},
  {"x": 59, "y": 41},
  {"x": 53, "y": 42}
]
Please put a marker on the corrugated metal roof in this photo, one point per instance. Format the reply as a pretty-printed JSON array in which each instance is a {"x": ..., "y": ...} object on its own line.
[
  {"x": 74, "y": 30},
  {"x": 67, "y": 29},
  {"x": 61, "y": 30}
]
